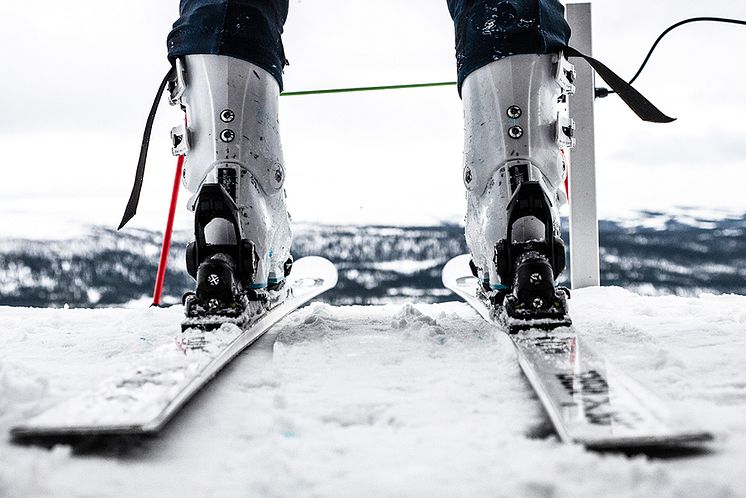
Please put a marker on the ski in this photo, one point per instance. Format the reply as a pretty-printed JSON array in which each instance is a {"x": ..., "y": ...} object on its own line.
[
  {"x": 588, "y": 400},
  {"x": 145, "y": 401}
]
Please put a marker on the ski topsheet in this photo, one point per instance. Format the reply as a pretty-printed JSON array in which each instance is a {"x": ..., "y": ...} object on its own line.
[
  {"x": 588, "y": 401},
  {"x": 144, "y": 401}
]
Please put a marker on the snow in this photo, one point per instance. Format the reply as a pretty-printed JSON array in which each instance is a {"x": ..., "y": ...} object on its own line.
[
  {"x": 395, "y": 400},
  {"x": 407, "y": 267},
  {"x": 696, "y": 217}
]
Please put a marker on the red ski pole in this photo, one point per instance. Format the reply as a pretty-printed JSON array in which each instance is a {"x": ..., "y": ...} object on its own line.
[{"x": 161, "y": 276}]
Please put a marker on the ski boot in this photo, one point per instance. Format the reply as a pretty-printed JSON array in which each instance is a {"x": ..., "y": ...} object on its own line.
[
  {"x": 516, "y": 127},
  {"x": 235, "y": 168}
]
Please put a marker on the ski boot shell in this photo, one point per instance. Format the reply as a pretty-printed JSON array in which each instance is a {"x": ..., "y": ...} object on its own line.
[
  {"x": 231, "y": 139},
  {"x": 516, "y": 129}
]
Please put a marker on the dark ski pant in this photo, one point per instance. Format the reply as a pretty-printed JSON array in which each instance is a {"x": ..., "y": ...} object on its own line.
[{"x": 486, "y": 30}]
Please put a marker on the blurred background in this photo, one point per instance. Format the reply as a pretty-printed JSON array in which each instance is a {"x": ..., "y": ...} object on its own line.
[{"x": 374, "y": 179}]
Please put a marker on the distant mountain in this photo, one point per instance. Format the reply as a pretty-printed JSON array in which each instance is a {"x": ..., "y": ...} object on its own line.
[{"x": 652, "y": 253}]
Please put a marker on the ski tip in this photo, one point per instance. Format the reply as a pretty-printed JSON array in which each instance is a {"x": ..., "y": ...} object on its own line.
[
  {"x": 315, "y": 266},
  {"x": 457, "y": 266}
]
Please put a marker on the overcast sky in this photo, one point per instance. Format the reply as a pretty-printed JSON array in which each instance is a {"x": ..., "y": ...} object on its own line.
[{"x": 78, "y": 78}]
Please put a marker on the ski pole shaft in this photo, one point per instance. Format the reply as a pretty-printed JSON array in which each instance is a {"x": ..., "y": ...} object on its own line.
[{"x": 161, "y": 276}]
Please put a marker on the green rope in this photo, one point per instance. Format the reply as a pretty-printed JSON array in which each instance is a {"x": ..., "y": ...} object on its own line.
[{"x": 366, "y": 88}]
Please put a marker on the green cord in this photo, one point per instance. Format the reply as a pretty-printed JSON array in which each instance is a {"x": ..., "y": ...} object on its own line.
[{"x": 366, "y": 88}]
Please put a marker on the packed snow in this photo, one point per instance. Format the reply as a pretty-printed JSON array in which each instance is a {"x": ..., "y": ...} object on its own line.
[{"x": 395, "y": 400}]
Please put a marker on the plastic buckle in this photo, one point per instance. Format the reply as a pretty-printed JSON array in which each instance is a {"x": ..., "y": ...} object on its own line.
[
  {"x": 179, "y": 140},
  {"x": 177, "y": 86},
  {"x": 565, "y": 130},
  {"x": 565, "y": 74}
]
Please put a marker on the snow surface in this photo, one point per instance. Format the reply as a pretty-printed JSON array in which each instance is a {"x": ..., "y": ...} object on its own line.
[{"x": 384, "y": 400}]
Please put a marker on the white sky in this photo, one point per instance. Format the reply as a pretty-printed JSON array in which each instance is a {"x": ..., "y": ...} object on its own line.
[{"x": 78, "y": 78}]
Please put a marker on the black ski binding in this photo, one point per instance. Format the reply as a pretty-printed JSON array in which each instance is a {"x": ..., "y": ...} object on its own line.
[
  {"x": 531, "y": 267},
  {"x": 223, "y": 272}
]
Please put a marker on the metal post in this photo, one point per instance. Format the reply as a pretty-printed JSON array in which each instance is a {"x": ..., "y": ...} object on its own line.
[{"x": 584, "y": 256}]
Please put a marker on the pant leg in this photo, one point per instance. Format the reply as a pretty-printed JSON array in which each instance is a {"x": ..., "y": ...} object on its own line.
[
  {"x": 246, "y": 29},
  {"x": 489, "y": 30}
]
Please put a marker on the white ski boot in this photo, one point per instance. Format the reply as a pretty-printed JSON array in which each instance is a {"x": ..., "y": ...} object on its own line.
[
  {"x": 235, "y": 168},
  {"x": 516, "y": 126}
]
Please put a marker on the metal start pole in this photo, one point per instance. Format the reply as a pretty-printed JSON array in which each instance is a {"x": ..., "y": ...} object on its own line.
[{"x": 584, "y": 253}]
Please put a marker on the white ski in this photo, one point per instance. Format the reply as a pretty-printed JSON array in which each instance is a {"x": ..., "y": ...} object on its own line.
[
  {"x": 588, "y": 401},
  {"x": 143, "y": 402}
]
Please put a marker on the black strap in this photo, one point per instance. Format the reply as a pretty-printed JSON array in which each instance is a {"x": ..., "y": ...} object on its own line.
[
  {"x": 131, "y": 208},
  {"x": 634, "y": 99}
]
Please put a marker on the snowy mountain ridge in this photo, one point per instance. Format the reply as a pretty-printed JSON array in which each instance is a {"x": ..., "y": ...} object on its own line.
[{"x": 681, "y": 252}]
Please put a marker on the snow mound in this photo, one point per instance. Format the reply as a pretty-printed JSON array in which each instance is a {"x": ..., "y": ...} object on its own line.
[
  {"x": 312, "y": 323},
  {"x": 414, "y": 323}
]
